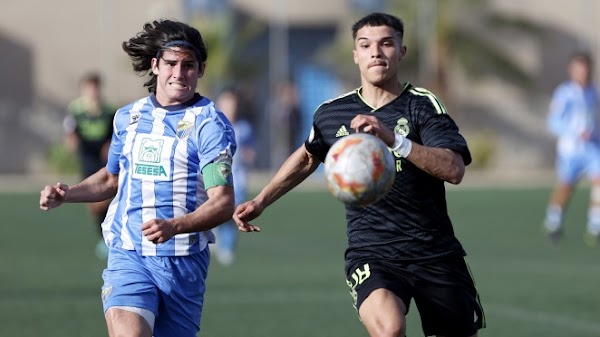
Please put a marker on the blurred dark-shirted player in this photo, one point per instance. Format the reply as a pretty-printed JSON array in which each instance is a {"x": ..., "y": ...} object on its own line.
[
  {"x": 88, "y": 128},
  {"x": 402, "y": 247}
]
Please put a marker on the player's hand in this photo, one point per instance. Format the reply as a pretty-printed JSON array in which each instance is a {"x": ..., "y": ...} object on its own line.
[
  {"x": 158, "y": 230},
  {"x": 246, "y": 212},
  {"x": 586, "y": 135},
  {"x": 53, "y": 196},
  {"x": 372, "y": 125}
]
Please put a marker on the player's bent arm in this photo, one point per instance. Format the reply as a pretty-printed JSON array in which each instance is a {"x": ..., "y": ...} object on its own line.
[
  {"x": 444, "y": 164},
  {"x": 215, "y": 211},
  {"x": 294, "y": 170},
  {"x": 100, "y": 186}
]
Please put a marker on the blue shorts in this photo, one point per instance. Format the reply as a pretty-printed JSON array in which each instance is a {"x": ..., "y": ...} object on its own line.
[
  {"x": 171, "y": 287},
  {"x": 572, "y": 167}
]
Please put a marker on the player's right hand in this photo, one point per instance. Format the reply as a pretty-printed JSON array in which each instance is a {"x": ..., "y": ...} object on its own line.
[
  {"x": 53, "y": 196},
  {"x": 246, "y": 212}
]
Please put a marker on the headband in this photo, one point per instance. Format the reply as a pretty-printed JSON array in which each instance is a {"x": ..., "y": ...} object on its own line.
[{"x": 179, "y": 43}]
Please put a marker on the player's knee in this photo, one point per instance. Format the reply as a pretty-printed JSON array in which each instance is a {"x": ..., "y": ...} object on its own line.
[
  {"x": 595, "y": 194},
  {"x": 391, "y": 328}
]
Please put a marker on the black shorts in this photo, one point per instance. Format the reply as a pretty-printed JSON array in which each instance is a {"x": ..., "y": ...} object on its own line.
[{"x": 443, "y": 290}]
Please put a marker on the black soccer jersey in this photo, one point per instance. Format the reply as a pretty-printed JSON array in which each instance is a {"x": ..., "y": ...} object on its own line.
[{"x": 411, "y": 222}]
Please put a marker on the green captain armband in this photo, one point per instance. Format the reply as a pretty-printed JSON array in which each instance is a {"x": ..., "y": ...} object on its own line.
[{"x": 217, "y": 174}]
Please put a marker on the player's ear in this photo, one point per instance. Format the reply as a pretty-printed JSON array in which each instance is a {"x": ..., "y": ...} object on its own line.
[
  {"x": 354, "y": 56},
  {"x": 403, "y": 51},
  {"x": 155, "y": 66},
  {"x": 201, "y": 69}
]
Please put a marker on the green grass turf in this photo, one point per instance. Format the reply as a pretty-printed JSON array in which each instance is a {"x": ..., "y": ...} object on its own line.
[{"x": 288, "y": 280}]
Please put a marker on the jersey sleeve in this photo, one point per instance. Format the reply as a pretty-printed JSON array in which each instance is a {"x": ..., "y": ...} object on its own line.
[
  {"x": 557, "y": 116},
  {"x": 120, "y": 122},
  {"x": 215, "y": 138},
  {"x": 438, "y": 129},
  {"x": 315, "y": 143}
]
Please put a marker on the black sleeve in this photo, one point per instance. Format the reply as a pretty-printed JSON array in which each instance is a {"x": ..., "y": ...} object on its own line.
[
  {"x": 440, "y": 130},
  {"x": 315, "y": 143}
]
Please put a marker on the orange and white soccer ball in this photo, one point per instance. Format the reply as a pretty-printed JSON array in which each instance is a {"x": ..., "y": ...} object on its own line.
[{"x": 359, "y": 169}]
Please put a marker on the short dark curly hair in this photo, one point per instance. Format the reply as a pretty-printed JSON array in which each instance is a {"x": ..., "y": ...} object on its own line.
[{"x": 379, "y": 19}]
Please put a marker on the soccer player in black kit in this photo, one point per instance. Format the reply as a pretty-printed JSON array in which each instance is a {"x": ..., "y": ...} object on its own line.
[{"x": 402, "y": 247}]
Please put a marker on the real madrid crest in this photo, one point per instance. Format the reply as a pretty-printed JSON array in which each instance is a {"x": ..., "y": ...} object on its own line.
[{"x": 402, "y": 127}]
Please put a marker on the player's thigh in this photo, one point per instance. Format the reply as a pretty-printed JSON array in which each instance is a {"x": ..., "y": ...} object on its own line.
[
  {"x": 121, "y": 322},
  {"x": 127, "y": 283},
  {"x": 381, "y": 298},
  {"x": 570, "y": 168},
  {"x": 593, "y": 166},
  {"x": 383, "y": 314},
  {"x": 182, "y": 284},
  {"x": 447, "y": 299}
]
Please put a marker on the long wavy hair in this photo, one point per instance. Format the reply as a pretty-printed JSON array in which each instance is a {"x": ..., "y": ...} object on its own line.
[{"x": 150, "y": 42}]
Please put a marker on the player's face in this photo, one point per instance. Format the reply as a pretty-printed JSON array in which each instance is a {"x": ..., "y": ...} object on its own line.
[
  {"x": 377, "y": 52},
  {"x": 90, "y": 90},
  {"x": 580, "y": 71},
  {"x": 177, "y": 73}
]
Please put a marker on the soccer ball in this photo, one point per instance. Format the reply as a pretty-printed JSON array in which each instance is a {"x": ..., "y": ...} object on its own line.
[{"x": 359, "y": 169}]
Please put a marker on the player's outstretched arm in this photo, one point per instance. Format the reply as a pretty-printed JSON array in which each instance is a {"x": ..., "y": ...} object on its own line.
[
  {"x": 100, "y": 186},
  {"x": 294, "y": 170}
]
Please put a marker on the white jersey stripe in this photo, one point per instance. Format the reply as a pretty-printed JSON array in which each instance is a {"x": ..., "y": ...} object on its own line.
[
  {"x": 180, "y": 188},
  {"x": 126, "y": 240},
  {"x": 148, "y": 213}
]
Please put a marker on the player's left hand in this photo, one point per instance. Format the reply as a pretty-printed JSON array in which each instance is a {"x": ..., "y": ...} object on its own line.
[
  {"x": 158, "y": 230},
  {"x": 246, "y": 212},
  {"x": 586, "y": 135},
  {"x": 372, "y": 125}
]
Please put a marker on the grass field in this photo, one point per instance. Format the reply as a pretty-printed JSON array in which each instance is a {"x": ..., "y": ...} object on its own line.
[{"x": 289, "y": 281}]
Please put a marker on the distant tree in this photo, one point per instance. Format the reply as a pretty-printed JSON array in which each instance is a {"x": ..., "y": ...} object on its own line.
[{"x": 228, "y": 39}]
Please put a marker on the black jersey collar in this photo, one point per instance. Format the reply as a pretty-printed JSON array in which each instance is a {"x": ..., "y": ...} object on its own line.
[
  {"x": 197, "y": 97},
  {"x": 406, "y": 85}
]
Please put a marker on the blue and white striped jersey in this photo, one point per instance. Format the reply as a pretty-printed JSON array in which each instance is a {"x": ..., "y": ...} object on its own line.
[
  {"x": 574, "y": 111},
  {"x": 158, "y": 153}
]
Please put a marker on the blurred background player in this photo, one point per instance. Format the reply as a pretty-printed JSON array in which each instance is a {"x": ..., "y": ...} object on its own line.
[
  {"x": 88, "y": 129},
  {"x": 573, "y": 119},
  {"x": 230, "y": 103},
  {"x": 288, "y": 119}
]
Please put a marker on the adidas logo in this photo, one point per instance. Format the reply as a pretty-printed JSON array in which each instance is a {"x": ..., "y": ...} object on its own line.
[{"x": 342, "y": 131}]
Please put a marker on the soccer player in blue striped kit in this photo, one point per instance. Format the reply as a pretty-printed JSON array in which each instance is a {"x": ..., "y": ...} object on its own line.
[
  {"x": 573, "y": 119},
  {"x": 169, "y": 171}
]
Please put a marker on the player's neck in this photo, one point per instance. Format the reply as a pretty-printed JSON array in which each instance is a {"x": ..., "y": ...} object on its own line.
[{"x": 378, "y": 96}]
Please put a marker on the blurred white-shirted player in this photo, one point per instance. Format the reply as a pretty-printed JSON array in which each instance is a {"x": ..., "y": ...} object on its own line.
[{"x": 573, "y": 119}]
